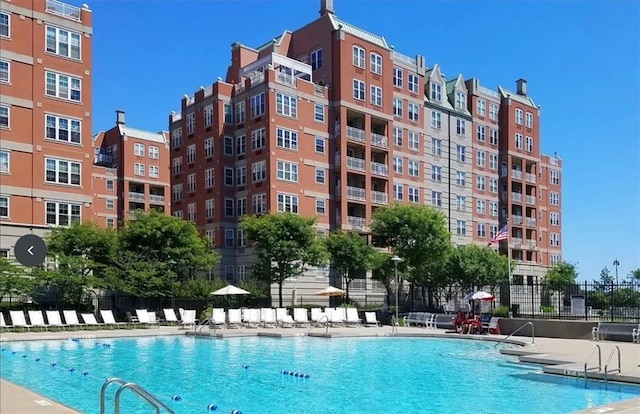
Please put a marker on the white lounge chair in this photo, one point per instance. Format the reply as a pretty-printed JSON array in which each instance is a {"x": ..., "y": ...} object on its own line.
[
  {"x": 371, "y": 319},
  {"x": 318, "y": 317},
  {"x": 90, "y": 320},
  {"x": 235, "y": 318},
  {"x": 71, "y": 318},
  {"x": 251, "y": 318},
  {"x": 18, "y": 320},
  {"x": 218, "y": 318},
  {"x": 3, "y": 324},
  {"x": 145, "y": 317},
  {"x": 283, "y": 318},
  {"x": 54, "y": 319},
  {"x": 492, "y": 327},
  {"x": 188, "y": 319},
  {"x": 337, "y": 316},
  {"x": 37, "y": 319},
  {"x": 109, "y": 319},
  {"x": 170, "y": 316},
  {"x": 352, "y": 318},
  {"x": 268, "y": 317},
  {"x": 300, "y": 317}
]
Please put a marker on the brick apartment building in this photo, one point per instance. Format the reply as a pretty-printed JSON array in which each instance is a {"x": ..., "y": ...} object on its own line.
[
  {"x": 329, "y": 120},
  {"x": 45, "y": 117},
  {"x": 131, "y": 172}
]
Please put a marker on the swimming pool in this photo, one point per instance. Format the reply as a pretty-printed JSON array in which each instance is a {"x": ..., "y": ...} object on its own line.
[{"x": 364, "y": 375}]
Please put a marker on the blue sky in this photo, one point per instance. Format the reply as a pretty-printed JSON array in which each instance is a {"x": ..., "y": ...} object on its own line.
[{"x": 581, "y": 60}]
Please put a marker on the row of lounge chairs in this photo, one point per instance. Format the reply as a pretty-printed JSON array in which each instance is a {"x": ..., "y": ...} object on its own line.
[{"x": 280, "y": 317}]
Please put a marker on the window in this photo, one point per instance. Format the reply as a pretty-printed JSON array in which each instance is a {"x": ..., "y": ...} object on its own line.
[
  {"x": 554, "y": 177},
  {"x": 177, "y": 192},
  {"x": 287, "y": 139},
  {"x": 397, "y": 77},
  {"x": 414, "y": 140},
  {"x": 241, "y": 144},
  {"x": 397, "y": 107},
  {"x": 481, "y": 230},
  {"x": 529, "y": 120},
  {"x": 461, "y": 126},
  {"x": 436, "y": 173},
  {"x": 62, "y": 214},
  {"x": 191, "y": 153},
  {"x": 436, "y": 198},
  {"x": 461, "y": 228},
  {"x": 154, "y": 171},
  {"x": 176, "y": 137},
  {"x": 287, "y": 202},
  {"x": 414, "y": 194},
  {"x": 480, "y": 206},
  {"x": 228, "y": 114},
  {"x": 461, "y": 153},
  {"x": 436, "y": 120},
  {"x": 176, "y": 164},
  {"x": 228, "y": 207},
  {"x": 493, "y": 185},
  {"x": 259, "y": 171},
  {"x": 461, "y": 100},
  {"x": 242, "y": 242},
  {"x": 358, "y": 57},
  {"x": 64, "y": 129},
  {"x": 229, "y": 241},
  {"x": 555, "y": 239},
  {"x": 111, "y": 223},
  {"x": 493, "y": 162},
  {"x": 211, "y": 237},
  {"x": 436, "y": 147},
  {"x": 209, "y": 178},
  {"x": 154, "y": 152},
  {"x": 316, "y": 59},
  {"x": 398, "y": 191},
  {"x": 320, "y": 145},
  {"x": 4, "y": 116},
  {"x": 493, "y": 230},
  {"x": 493, "y": 206},
  {"x": 480, "y": 183},
  {"x": 191, "y": 183},
  {"x": 359, "y": 90},
  {"x": 5, "y": 71},
  {"x": 493, "y": 112},
  {"x": 461, "y": 178},
  {"x": 529, "y": 144},
  {"x": 209, "y": 208},
  {"x": 481, "y": 106},
  {"x": 63, "y": 43},
  {"x": 519, "y": 116},
  {"x": 493, "y": 137},
  {"x": 257, "y": 105},
  {"x": 414, "y": 83},
  {"x": 5, "y": 25},
  {"x": 554, "y": 219},
  {"x": 228, "y": 145},
  {"x": 414, "y": 113},
  {"x": 376, "y": 95},
  {"x": 241, "y": 114},
  {"x": 228, "y": 176},
  {"x": 554, "y": 199},
  {"x": 110, "y": 202},
  {"x": 461, "y": 203},
  {"x": 519, "y": 141},
  {"x": 258, "y": 139},
  {"x": 398, "y": 136},
  {"x": 229, "y": 272},
  {"x": 62, "y": 171},
  {"x": 319, "y": 113},
  {"x": 286, "y": 105},
  {"x": 241, "y": 207},
  {"x": 436, "y": 92},
  {"x": 208, "y": 147},
  {"x": 138, "y": 150},
  {"x": 320, "y": 176},
  {"x": 481, "y": 158},
  {"x": 287, "y": 171},
  {"x": 4, "y": 206},
  {"x": 63, "y": 86},
  {"x": 555, "y": 259},
  {"x": 414, "y": 168},
  {"x": 259, "y": 204},
  {"x": 397, "y": 165},
  {"x": 208, "y": 115},
  {"x": 191, "y": 123},
  {"x": 241, "y": 175},
  {"x": 481, "y": 133},
  {"x": 321, "y": 207},
  {"x": 109, "y": 185},
  {"x": 376, "y": 63}
]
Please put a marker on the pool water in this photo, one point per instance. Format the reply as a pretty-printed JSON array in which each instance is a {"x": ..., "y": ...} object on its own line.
[{"x": 364, "y": 375}]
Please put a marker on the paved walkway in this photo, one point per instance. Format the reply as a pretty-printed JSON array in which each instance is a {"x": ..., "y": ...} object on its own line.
[{"x": 559, "y": 356}]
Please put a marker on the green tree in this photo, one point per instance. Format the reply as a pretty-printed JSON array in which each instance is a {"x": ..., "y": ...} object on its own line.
[
  {"x": 604, "y": 283},
  {"x": 350, "y": 255},
  {"x": 634, "y": 275},
  {"x": 13, "y": 280},
  {"x": 285, "y": 243},
  {"x": 384, "y": 270},
  {"x": 69, "y": 278},
  {"x": 560, "y": 276},
  {"x": 477, "y": 266},
  {"x": 417, "y": 234}
]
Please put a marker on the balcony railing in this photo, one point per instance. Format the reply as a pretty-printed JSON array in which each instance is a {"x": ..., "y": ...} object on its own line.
[
  {"x": 531, "y": 200},
  {"x": 285, "y": 78},
  {"x": 257, "y": 78},
  {"x": 154, "y": 198},
  {"x": 104, "y": 158},
  {"x": 531, "y": 244},
  {"x": 517, "y": 174},
  {"x": 64, "y": 10},
  {"x": 357, "y": 222},
  {"x": 531, "y": 222},
  {"x": 378, "y": 140},
  {"x": 356, "y": 193},
  {"x": 134, "y": 196},
  {"x": 379, "y": 169},
  {"x": 517, "y": 241},
  {"x": 357, "y": 164},
  {"x": 318, "y": 90},
  {"x": 379, "y": 197},
  {"x": 531, "y": 178},
  {"x": 355, "y": 134},
  {"x": 517, "y": 220},
  {"x": 517, "y": 197},
  {"x": 240, "y": 88}
]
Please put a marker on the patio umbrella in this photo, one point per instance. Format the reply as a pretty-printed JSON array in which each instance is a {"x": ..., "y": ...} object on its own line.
[
  {"x": 479, "y": 295},
  {"x": 230, "y": 290},
  {"x": 331, "y": 291}
]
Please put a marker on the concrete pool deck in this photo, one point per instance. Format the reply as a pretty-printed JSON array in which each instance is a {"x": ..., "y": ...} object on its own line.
[{"x": 555, "y": 356}]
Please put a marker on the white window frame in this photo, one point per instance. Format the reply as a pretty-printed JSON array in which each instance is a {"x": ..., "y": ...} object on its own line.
[
  {"x": 320, "y": 176},
  {"x": 481, "y": 206},
  {"x": 481, "y": 133},
  {"x": 398, "y": 192},
  {"x": 493, "y": 112},
  {"x": 413, "y": 194},
  {"x": 493, "y": 162},
  {"x": 461, "y": 153},
  {"x": 209, "y": 208},
  {"x": 481, "y": 231},
  {"x": 5, "y": 205},
  {"x": 208, "y": 115},
  {"x": 398, "y": 165},
  {"x": 241, "y": 112},
  {"x": 286, "y": 138},
  {"x": 529, "y": 120},
  {"x": 191, "y": 123},
  {"x": 176, "y": 165},
  {"x": 493, "y": 185},
  {"x": 258, "y": 139},
  {"x": 208, "y": 148},
  {"x": 318, "y": 113},
  {"x": 413, "y": 168},
  {"x": 55, "y": 128},
  {"x": 241, "y": 207},
  {"x": 138, "y": 149},
  {"x": 436, "y": 92},
  {"x": 178, "y": 192},
  {"x": 5, "y": 162},
  {"x": 228, "y": 145},
  {"x": 398, "y": 105},
  {"x": 192, "y": 211},
  {"x": 209, "y": 178},
  {"x": 519, "y": 116},
  {"x": 191, "y": 153},
  {"x": 288, "y": 203},
  {"x": 554, "y": 177},
  {"x": 436, "y": 173},
  {"x": 481, "y": 158},
  {"x": 413, "y": 112},
  {"x": 154, "y": 171},
  {"x": 176, "y": 137},
  {"x": 259, "y": 203},
  {"x": 461, "y": 203},
  {"x": 229, "y": 207},
  {"x": 58, "y": 42},
  {"x": 436, "y": 198},
  {"x": 481, "y": 183},
  {"x": 57, "y": 170},
  {"x": 316, "y": 59},
  {"x": 481, "y": 106},
  {"x": 286, "y": 105},
  {"x": 257, "y": 105},
  {"x": 359, "y": 56},
  {"x": 5, "y": 114},
  {"x": 5, "y": 33},
  {"x": 259, "y": 171},
  {"x": 321, "y": 146},
  {"x": 191, "y": 183},
  {"x": 375, "y": 60},
  {"x": 321, "y": 206},
  {"x": 71, "y": 218},
  {"x": 56, "y": 90},
  {"x": 398, "y": 75},
  {"x": 436, "y": 120},
  {"x": 398, "y": 136},
  {"x": 241, "y": 175},
  {"x": 461, "y": 178},
  {"x": 241, "y": 145},
  {"x": 228, "y": 177},
  {"x": 461, "y": 127},
  {"x": 493, "y": 137},
  {"x": 528, "y": 142},
  {"x": 461, "y": 227},
  {"x": 5, "y": 71},
  {"x": 461, "y": 100},
  {"x": 376, "y": 95},
  {"x": 413, "y": 83},
  {"x": 359, "y": 90},
  {"x": 436, "y": 147},
  {"x": 518, "y": 141},
  {"x": 413, "y": 139},
  {"x": 287, "y": 171},
  {"x": 154, "y": 152}
]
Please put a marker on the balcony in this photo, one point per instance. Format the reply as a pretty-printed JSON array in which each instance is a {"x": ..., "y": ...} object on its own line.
[
  {"x": 318, "y": 90},
  {"x": 516, "y": 174},
  {"x": 285, "y": 78},
  {"x": 517, "y": 242},
  {"x": 517, "y": 220},
  {"x": 531, "y": 222},
  {"x": 65, "y": 10},
  {"x": 239, "y": 88},
  {"x": 356, "y": 193},
  {"x": 356, "y": 222},
  {"x": 355, "y": 134},
  {"x": 133, "y": 196},
  {"x": 379, "y": 169},
  {"x": 156, "y": 199},
  {"x": 516, "y": 197},
  {"x": 378, "y": 197},
  {"x": 356, "y": 164},
  {"x": 531, "y": 200},
  {"x": 103, "y": 159},
  {"x": 530, "y": 178},
  {"x": 531, "y": 244},
  {"x": 378, "y": 140},
  {"x": 256, "y": 78}
]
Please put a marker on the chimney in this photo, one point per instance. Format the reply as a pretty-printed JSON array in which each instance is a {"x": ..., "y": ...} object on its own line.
[
  {"x": 119, "y": 117},
  {"x": 521, "y": 87},
  {"x": 326, "y": 7}
]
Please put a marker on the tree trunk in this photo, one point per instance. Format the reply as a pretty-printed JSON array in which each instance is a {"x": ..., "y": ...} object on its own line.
[
  {"x": 347, "y": 283},
  {"x": 280, "y": 293}
]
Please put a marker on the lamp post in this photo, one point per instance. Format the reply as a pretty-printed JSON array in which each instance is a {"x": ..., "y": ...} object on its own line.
[
  {"x": 396, "y": 260},
  {"x": 172, "y": 263},
  {"x": 616, "y": 263}
]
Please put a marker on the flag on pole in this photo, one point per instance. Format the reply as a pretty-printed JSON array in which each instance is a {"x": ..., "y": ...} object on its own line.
[{"x": 501, "y": 235}]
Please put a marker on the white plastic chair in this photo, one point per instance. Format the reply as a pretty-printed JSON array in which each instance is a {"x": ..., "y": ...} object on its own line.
[
  {"x": 235, "y": 318},
  {"x": 188, "y": 319},
  {"x": 170, "y": 316},
  {"x": 109, "y": 319},
  {"x": 371, "y": 319},
  {"x": 300, "y": 317},
  {"x": 54, "y": 319},
  {"x": 218, "y": 317},
  {"x": 353, "y": 319},
  {"x": 71, "y": 318},
  {"x": 37, "y": 319},
  {"x": 283, "y": 318},
  {"x": 18, "y": 320}
]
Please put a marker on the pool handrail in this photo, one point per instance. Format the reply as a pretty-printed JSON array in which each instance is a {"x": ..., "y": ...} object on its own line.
[
  {"x": 533, "y": 334},
  {"x": 323, "y": 316},
  {"x": 606, "y": 365},
  {"x": 599, "y": 367},
  {"x": 138, "y": 390}
]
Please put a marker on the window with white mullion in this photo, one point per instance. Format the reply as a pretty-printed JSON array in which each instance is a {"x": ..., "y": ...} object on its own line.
[
  {"x": 63, "y": 42},
  {"x": 63, "y": 86},
  {"x": 62, "y": 214},
  {"x": 288, "y": 171},
  {"x": 62, "y": 172},
  {"x": 63, "y": 129}
]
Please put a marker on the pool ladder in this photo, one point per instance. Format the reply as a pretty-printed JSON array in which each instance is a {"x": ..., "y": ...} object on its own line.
[
  {"x": 607, "y": 371},
  {"x": 326, "y": 318},
  {"x": 533, "y": 333},
  {"x": 138, "y": 390}
]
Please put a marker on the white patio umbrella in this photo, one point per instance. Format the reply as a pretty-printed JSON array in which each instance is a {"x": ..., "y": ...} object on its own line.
[
  {"x": 230, "y": 290},
  {"x": 331, "y": 291}
]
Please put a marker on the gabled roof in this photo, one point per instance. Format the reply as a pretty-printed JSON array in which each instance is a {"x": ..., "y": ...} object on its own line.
[
  {"x": 518, "y": 98},
  {"x": 275, "y": 41},
  {"x": 456, "y": 83},
  {"x": 145, "y": 135},
  {"x": 357, "y": 32}
]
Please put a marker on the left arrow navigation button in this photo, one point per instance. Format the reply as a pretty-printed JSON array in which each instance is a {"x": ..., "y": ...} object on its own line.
[{"x": 30, "y": 250}]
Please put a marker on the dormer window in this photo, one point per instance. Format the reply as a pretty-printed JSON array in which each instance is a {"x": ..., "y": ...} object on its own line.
[
  {"x": 461, "y": 100},
  {"x": 316, "y": 59},
  {"x": 436, "y": 92}
]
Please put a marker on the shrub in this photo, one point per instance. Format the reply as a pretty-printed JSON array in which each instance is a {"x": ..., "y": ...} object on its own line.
[{"x": 502, "y": 311}]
